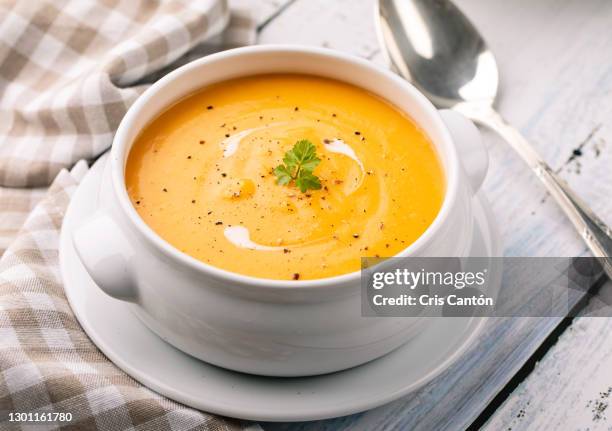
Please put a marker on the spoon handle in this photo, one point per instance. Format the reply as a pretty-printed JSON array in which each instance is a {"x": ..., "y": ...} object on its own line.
[{"x": 591, "y": 228}]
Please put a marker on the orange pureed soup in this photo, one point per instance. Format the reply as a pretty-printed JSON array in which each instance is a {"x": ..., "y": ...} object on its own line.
[{"x": 202, "y": 176}]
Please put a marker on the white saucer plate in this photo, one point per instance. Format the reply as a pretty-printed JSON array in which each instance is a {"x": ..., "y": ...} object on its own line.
[{"x": 121, "y": 336}]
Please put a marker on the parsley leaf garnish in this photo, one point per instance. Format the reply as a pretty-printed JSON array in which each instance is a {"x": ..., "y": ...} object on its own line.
[{"x": 299, "y": 163}]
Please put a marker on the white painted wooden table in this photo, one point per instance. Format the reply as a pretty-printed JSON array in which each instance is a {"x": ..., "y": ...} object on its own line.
[{"x": 555, "y": 58}]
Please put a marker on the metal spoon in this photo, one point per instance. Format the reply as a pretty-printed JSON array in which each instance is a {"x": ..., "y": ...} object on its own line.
[{"x": 433, "y": 45}]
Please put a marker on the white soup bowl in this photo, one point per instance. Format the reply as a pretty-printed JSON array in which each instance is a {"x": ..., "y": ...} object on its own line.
[{"x": 254, "y": 325}]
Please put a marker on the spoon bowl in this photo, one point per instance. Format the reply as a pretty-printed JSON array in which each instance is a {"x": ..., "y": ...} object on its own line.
[{"x": 431, "y": 43}]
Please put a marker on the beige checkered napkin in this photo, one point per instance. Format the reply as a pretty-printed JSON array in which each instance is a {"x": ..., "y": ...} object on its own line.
[
  {"x": 70, "y": 69},
  {"x": 47, "y": 363},
  {"x": 15, "y": 205}
]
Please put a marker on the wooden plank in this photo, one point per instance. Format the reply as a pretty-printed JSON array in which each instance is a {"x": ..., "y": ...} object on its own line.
[
  {"x": 262, "y": 10},
  {"x": 346, "y": 25},
  {"x": 555, "y": 88},
  {"x": 571, "y": 387}
]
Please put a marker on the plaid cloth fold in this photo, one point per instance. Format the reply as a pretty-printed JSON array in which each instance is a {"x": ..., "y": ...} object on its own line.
[{"x": 68, "y": 72}]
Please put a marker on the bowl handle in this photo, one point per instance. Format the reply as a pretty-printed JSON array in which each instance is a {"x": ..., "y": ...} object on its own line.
[
  {"x": 473, "y": 153},
  {"x": 106, "y": 254}
]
